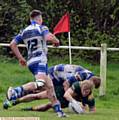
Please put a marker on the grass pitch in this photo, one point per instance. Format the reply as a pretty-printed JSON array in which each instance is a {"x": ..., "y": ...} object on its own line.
[{"x": 11, "y": 74}]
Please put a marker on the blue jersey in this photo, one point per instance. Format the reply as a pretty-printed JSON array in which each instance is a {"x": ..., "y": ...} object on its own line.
[
  {"x": 33, "y": 38},
  {"x": 60, "y": 73},
  {"x": 80, "y": 74}
]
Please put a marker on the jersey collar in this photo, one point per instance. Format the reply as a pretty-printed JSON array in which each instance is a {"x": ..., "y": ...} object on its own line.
[{"x": 33, "y": 22}]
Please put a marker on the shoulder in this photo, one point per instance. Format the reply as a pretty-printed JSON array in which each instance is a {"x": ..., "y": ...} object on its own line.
[
  {"x": 59, "y": 67},
  {"x": 71, "y": 79},
  {"x": 43, "y": 27},
  {"x": 76, "y": 85},
  {"x": 76, "y": 88},
  {"x": 28, "y": 28}
]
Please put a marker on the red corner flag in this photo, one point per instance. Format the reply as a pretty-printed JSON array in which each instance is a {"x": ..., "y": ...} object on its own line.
[{"x": 63, "y": 25}]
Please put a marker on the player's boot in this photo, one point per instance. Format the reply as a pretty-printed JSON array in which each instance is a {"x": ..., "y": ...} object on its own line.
[
  {"x": 58, "y": 110},
  {"x": 61, "y": 114},
  {"x": 7, "y": 104}
]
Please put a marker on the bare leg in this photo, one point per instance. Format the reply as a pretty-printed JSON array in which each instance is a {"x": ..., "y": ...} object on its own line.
[
  {"x": 51, "y": 95},
  {"x": 51, "y": 91},
  {"x": 31, "y": 97},
  {"x": 49, "y": 87},
  {"x": 42, "y": 108},
  {"x": 31, "y": 86}
]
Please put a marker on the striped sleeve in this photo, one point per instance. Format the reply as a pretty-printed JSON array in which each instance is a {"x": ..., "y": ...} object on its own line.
[{"x": 45, "y": 30}]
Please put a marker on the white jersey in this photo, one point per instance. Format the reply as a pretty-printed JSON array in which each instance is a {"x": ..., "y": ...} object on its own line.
[{"x": 33, "y": 38}]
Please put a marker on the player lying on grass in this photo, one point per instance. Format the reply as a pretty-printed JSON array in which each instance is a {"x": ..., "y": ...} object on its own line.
[
  {"x": 59, "y": 74},
  {"x": 79, "y": 91}
]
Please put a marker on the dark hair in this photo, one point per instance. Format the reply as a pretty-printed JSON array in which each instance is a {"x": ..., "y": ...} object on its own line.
[{"x": 35, "y": 13}]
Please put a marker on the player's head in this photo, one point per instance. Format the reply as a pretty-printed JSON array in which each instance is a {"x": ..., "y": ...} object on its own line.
[
  {"x": 36, "y": 15},
  {"x": 96, "y": 81},
  {"x": 86, "y": 87}
]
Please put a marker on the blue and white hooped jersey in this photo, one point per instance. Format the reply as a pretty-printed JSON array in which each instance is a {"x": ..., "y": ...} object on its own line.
[
  {"x": 61, "y": 72},
  {"x": 83, "y": 73},
  {"x": 33, "y": 38},
  {"x": 67, "y": 70},
  {"x": 80, "y": 75}
]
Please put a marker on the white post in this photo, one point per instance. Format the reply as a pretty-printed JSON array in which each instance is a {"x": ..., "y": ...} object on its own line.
[
  {"x": 70, "y": 57},
  {"x": 103, "y": 69}
]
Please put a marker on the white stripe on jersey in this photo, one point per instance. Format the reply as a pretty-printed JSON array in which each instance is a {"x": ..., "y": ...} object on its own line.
[
  {"x": 42, "y": 58},
  {"x": 70, "y": 68}
]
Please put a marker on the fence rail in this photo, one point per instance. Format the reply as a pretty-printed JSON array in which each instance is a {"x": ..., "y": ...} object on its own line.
[
  {"x": 67, "y": 47},
  {"x": 103, "y": 60}
]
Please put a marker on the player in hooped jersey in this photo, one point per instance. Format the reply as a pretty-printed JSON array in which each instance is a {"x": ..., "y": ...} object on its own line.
[
  {"x": 35, "y": 37},
  {"x": 68, "y": 74}
]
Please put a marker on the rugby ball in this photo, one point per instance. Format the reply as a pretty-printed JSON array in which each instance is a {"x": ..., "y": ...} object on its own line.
[{"x": 75, "y": 107}]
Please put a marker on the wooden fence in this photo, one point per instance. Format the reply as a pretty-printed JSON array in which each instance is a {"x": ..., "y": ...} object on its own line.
[{"x": 103, "y": 60}]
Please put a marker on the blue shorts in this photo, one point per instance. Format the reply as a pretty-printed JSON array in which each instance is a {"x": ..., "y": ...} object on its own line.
[{"x": 37, "y": 67}]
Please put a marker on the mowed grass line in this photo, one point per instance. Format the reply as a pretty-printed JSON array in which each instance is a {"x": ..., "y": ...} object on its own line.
[{"x": 11, "y": 74}]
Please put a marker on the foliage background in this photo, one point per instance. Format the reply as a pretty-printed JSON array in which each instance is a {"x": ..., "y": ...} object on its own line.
[{"x": 92, "y": 22}]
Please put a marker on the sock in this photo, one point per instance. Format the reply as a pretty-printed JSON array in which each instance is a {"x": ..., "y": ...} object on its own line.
[
  {"x": 17, "y": 93},
  {"x": 57, "y": 107}
]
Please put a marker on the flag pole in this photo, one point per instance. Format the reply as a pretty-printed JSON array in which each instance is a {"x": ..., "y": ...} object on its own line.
[{"x": 70, "y": 57}]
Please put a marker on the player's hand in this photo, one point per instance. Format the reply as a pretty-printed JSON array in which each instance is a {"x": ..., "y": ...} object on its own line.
[
  {"x": 56, "y": 44},
  {"x": 22, "y": 61},
  {"x": 92, "y": 110}
]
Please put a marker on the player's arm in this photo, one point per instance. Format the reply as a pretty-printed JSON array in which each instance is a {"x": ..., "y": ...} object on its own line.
[
  {"x": 68, "y": 82},
  {"x": 13, "y": 46},
  {"x": 41, "y": 108},
  {"x": 66, "y": 85},
  {"x": 91, "y": 103},
  {"x": 68, "y": 95},
  {"x": 48, "y": 36},
  {"x": 92, "y": 109}
]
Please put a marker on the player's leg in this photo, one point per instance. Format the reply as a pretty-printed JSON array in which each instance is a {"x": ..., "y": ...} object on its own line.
[
  {"x": 31, "y": 97},
  {"x": 52, "y": 96},
  {"x": 59, "y": 90},
  {"x": 14, "y": 93},
  {"x": 23, "y": 98},
  {"x": 51, "y": 93},
  {"x": 41, "y": 108},
  {"x": 42, "y": 79},
  {"x": 20, "y": 91}
]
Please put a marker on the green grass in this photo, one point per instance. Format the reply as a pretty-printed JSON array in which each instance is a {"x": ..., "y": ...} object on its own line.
[{"x": 11, "y": 74}]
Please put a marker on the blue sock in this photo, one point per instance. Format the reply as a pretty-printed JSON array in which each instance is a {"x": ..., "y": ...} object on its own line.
[
  {"x": 57, "y": 107},
  {"x": 18, "y": 92}
]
